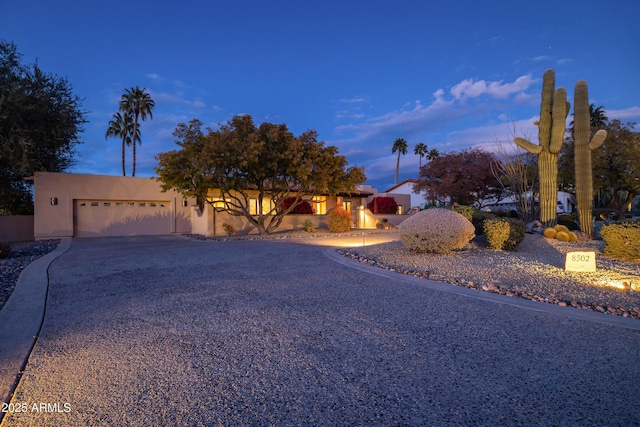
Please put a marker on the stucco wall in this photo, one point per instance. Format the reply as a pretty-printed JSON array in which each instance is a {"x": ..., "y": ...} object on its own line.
[
  {"x": 54, "y": 221},
  {"x": 16, "y": 228}
]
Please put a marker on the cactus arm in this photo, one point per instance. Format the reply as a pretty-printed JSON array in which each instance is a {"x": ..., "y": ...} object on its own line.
[
  {"x": 558, "y": 120},
  {"x": 544, "y": 124},
  {"x": 528, "y": 146},
  {"x": 598, "y": 139}
]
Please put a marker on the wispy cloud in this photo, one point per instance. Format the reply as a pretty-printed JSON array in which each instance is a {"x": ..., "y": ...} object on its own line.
[{"x": 472, "y": 89}]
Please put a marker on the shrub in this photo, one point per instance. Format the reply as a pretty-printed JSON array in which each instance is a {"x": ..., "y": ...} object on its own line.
[
  {"x": 478, "y": 218},
  {"x": 465, "y": 211},
  {"x": 303, "y": 208},
  {"x": 496, "y": 231},
  {"x": 383, "y": 205},
  {"x": 504, "y": 233},
  {"x": 5, "y": 250},
  {"x": 339, "y": 220},
  {"x": 436, "y": 231},
  {"x": 228, "y": 228},
  {"x": 307, "y": 224},
  {"x": 622, "y": 241}
]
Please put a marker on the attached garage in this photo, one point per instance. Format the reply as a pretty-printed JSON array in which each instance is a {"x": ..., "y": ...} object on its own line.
[
  {"x": 75, "y": 205},
  {"x": 121, "y": 218}
]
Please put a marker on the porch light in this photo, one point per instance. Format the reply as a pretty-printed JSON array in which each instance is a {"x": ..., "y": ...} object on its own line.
[
  {"x": 54, "y": 200},
  {"x": 184, "y": 203}
]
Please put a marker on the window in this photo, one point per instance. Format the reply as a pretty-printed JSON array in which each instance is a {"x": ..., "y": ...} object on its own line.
[
  {"x": 319, "y": 205},
  {"x": 346, "y": 206},
  {"x": 218, "y": 202}
]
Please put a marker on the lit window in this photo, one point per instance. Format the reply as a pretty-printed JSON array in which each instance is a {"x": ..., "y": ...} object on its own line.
[
  {"x": 253, "y": 206},
  {"x": 319, "y": 205},
  {"x": 346, "y": 206}
]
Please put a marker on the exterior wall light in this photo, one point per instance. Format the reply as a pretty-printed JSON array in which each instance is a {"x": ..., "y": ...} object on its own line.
[
  {"x": 184, "y": 203},
  {"x": 54, "y": 200}
]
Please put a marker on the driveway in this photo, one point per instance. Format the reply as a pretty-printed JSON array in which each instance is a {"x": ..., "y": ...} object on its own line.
[{"x": 168, "y": 331}]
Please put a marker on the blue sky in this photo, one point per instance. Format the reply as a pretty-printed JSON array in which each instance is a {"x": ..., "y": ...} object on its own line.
[{"x": 451, "y": 74}]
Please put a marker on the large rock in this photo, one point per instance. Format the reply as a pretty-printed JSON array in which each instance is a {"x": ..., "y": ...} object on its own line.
[{"x": 436, "y": 230}]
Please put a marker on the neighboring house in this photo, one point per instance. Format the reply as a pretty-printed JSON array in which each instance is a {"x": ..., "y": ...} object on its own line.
[
  {"x": 566, "y": 203},
  {"x": 80, "y": 205},
  {"x": 405, "y": 188}
]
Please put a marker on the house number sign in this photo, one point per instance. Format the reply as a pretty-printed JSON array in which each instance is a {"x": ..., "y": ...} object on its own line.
[{"x": 580, "y": 261}]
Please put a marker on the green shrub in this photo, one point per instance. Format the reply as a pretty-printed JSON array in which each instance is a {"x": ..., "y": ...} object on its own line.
[
  {"x": 5, "y": 250},
  {"x": 465, "y": 211},
  {"x": 436, "y": 231},
  {"x": 339, "y": 220},
  {"x": 504, "y": 233},
  {"x": 622, "y": 241},
  {"x": 496, "y": 231},
  {"x": 478, "y": 219},
  {"x": 308, "y": 226}
]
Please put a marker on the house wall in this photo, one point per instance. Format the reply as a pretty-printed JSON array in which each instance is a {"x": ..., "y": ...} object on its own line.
[
  {"x": 16, "y": 228},
  {"x": 55, "y": 221}
]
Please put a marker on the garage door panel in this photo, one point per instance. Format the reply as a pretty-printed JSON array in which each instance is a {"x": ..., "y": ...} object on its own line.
[{"x": 122, "y": 218}]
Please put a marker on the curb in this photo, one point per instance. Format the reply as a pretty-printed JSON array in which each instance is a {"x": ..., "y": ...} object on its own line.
[{"x": 21, "y": 319}]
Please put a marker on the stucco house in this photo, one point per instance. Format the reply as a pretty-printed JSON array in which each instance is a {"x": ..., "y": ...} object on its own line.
[
  {"x": 82, "y": 205},
  {"x": 405, "y": 188}
]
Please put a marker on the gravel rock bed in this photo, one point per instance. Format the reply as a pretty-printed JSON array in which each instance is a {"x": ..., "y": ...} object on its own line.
[
  {"x": 21, "y": 256},
  {"x": 535, "y": 271}
]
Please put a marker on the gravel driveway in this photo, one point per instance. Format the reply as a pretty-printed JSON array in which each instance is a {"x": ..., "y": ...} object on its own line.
[{"x": 169, "y": 331}]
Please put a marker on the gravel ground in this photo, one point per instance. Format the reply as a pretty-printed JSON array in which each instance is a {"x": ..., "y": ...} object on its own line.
[
  {"x": 175, "y": 332},
  {"x": 535, "y": 271},
  {"x": 22, "y": 254}
]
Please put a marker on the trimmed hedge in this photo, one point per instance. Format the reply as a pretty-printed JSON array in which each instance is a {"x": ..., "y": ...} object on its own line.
[
  {"x": 504, "y": 233},
  {"x": 436, "y": 231}
]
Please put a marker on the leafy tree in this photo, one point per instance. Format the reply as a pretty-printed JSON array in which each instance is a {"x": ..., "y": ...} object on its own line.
[
  {"x": 137, "y": 103},
  {"x": 121, "y": 126},
  {"x": 465, "y": 177},
  {"x": 399, "y": 145},
  {"x": 421, "y": 150},
  {"x": 40, "y": 119},
  {"x": 255, "y": 168},
  {"x": 616, "y": 174}
]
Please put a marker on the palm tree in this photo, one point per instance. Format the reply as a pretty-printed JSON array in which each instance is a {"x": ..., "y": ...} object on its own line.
[
  {"x": 138, "y": 103},
  {"x": 433, "y": 154},
  {"x": 121, "y": 126},
  {"x": 597, "y": 117},
  {"x": 420, "y": 150},
  {"x": 399, "y": 145}
]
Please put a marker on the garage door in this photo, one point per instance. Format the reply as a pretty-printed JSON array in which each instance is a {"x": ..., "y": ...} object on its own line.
[{"x": 121, "y": 218}]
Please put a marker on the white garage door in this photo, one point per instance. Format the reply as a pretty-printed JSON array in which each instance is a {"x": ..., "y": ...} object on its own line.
[{"x": 121, "y": 218}]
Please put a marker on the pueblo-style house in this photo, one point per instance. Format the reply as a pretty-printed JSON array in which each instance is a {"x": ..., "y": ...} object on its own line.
[{"x": 81, "y": 205}]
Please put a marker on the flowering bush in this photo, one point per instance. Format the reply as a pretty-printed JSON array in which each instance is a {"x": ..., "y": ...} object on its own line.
[
  {"x": 383, "y": 205},
  {"x": 436, "y": 230},
  {"x": 339, "y": 220},
  {"x": 303, "y": 208}
]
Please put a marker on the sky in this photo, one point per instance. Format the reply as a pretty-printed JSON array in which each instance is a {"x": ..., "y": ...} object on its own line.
[{"x": 451, "y": 74}]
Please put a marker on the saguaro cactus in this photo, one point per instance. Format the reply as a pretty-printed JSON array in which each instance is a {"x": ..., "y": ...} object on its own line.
[
  {"x": 551, "y": 126},
  {"x": 583, "y": 145}
]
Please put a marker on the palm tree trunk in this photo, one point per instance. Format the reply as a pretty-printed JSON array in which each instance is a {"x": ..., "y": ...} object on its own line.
[
  {"x": 397, "y": 168},
  {"x": 124, "y": 173},
  {"x": 135, "y": 139}
]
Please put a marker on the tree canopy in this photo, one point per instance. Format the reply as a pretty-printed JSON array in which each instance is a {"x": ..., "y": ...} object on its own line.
[
  {"x": 616, "y": 170},
  {"x": 40, "y": 119},
  {"x": 255, "y": 168},
  {"x": 464, "y": 177}
]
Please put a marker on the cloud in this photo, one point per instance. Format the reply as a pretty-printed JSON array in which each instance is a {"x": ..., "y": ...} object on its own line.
[
  {"x": 354, "y": 100},
  {"x": 540, "y": 58},
  {"x": 472, "y": 89},
  {"x": 626, "y": 114},
  {"x": 564, "y": 60}
]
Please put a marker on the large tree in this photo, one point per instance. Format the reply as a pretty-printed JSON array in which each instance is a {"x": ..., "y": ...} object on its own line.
[
  {"x": 399, "y": 145},
  {"x": 464, "y": 177},
  {"x": 40, "y": 119},
  {"x": 137, "y": 103},
  {"x": 255, "y": 168}
]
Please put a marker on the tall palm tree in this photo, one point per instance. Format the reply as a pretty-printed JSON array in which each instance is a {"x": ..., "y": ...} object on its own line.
[
  {"x": 420, "y": 150},
  {"x": 121, "y": 126},
  {"x": 138, "y": 103},
  {"x": 399, "y": 145},
  {"x": 433, "y": 154},
  {"x": 597, "y": 117}
]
